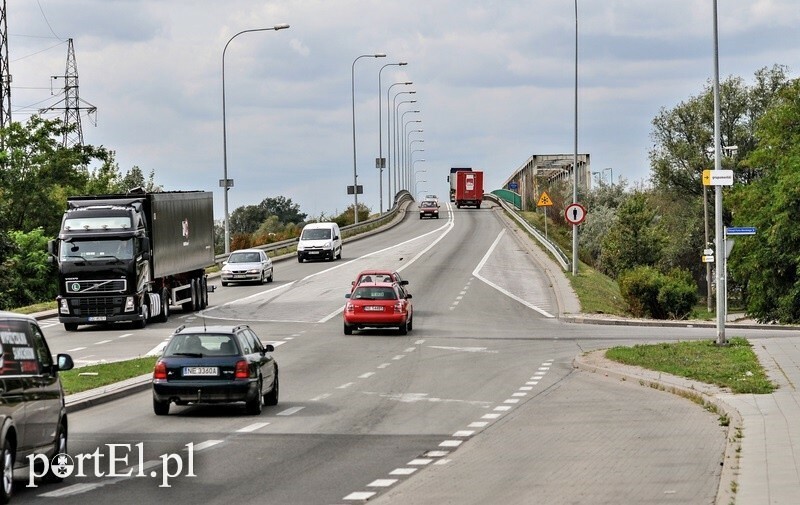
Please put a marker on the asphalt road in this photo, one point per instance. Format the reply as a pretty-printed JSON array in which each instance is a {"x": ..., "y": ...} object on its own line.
[{"x": 478, "y": 404}]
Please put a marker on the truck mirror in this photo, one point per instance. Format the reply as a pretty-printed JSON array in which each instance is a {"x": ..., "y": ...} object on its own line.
[{"x": 51, "y": 247}]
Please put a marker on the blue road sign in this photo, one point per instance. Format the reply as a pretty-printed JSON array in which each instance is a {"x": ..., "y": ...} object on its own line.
[
  {"x": 747, "y": 230},
  {"x": 513, "y": 185}
]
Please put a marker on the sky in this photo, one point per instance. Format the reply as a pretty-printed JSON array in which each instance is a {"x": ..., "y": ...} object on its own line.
[{"x": 493, "y": 81}]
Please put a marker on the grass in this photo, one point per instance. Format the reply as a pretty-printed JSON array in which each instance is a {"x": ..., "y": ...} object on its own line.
[
  {"x": 103, "y": 374},
  {"x": 733, "y": 366},
  {"x": 598, "y": 293}
]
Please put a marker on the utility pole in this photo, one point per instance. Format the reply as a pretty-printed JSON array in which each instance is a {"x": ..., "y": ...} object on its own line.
[
  {"x": 72, "y": 102},
  {"x": 5, "y": 71}
]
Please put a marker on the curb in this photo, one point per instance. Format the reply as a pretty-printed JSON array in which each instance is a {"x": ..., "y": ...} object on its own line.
[
  {"x": 700, "y": 393},
  {"x": 98, "y": 396}
]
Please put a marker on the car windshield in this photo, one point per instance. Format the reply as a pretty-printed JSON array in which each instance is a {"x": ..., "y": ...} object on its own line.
[
  {"x": 248, "y": 257},
  {"x": 76, "y": 250},
  {"x": 203, "y": 344},
  {"x": 374, "y": 293},
  {"x": 428, "y": 204},
  {"x": 316, "y": 234}
]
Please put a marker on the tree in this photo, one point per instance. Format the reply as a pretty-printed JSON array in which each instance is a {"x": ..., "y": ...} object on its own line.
[
  {"x": 37, "y": 174},
  {"x": 248, "y": 218},
  {"x": 636, "y": 239},
  {"x": 28, "y": 265},
  {"x": 768, "y": 266}
]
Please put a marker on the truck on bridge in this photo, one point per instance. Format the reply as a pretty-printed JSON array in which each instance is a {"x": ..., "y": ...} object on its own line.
[
  {"x": 469, "y": 189},
  {"x": 129, "y": 257},
  {"x": 452, "y": 180}
]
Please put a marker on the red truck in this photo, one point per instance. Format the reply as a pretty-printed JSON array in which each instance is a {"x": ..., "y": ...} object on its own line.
[{"x": 469, "y": 189}]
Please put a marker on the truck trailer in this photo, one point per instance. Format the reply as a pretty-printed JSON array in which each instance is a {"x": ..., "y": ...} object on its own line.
[
  {"x": 452, "y": 180},
  {"x": 469, "y": 189},
  {"x": 130, "y": 257}
]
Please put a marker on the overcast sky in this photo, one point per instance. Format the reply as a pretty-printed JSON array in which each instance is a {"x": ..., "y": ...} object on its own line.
[{"x": 494, "y": 83}]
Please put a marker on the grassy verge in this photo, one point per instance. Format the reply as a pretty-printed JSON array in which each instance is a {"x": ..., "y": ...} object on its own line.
[
  {"x": 103, "y": 374},
  {"x": 734, "y": 366}
]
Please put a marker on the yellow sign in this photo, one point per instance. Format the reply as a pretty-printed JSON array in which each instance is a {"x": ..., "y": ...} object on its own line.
[
  {"x": 544, "y": 200},
  {"x": 706, "y": 177}
]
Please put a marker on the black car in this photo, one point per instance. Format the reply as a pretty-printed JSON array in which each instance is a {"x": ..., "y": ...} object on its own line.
[
  {"x": 33, "y": 418},
  {"x": 215, "y": 364}
]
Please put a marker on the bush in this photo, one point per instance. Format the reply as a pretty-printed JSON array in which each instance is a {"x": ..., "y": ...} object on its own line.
[{"x": 650, "y": 293}]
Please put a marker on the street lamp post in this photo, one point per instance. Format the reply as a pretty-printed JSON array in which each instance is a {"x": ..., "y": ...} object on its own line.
[
  {"x": 397, "y": 152},
  {"x": 225, "y": 182},
  {"x": 409, "y": 174},
  {"x": 415, "y": 186},
  {"x": 407, "y": 155},
  {"x": 380, "y": 161},
  {"x": 353, "y": 100},
  {"x": 575, "y": 155},
  {"x": 402, "y": 144},
  {"x": 389, "y": 138},
  {"x": 410, "y": 164},
  {"x": 611, "y": 179}
]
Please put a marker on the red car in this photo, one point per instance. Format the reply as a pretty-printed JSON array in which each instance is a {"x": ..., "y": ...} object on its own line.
[
  {"x": 429, "y": 208},
  {"x": 378, "y": 305},
  {"x": 377, "y": 275}
]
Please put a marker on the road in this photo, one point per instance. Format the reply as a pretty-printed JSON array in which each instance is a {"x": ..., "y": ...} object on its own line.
[{"x": 478, "y": 404}]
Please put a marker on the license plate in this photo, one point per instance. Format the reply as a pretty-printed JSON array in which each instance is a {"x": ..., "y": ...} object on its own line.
[
  {"x": 238, "y": 276},
  {"x": 97, "y": 318},
  {"x": 313, "y": 252},
  {"x": 373, "y": 308},
  {"x": 200, "y": 370}
]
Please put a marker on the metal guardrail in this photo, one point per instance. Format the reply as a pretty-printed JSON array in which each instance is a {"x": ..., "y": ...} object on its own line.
[
  {"x": 551, "y": 246},
  {"x": 289, "y": 245}
]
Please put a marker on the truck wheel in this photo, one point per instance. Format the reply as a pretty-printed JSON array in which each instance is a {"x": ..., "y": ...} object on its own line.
[
  {"x": 164, "y": 316},
  {"x": 71, "y": 326},
  {"x": 142, "y": 323},
  {"x": 204, "y": 292},
  {"x": 189, "y": 306}
]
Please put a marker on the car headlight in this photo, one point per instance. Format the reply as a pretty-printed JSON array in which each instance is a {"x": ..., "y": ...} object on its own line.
[
  {"x": 327, "y": 245},
  {"x": 300, "y": 247}
]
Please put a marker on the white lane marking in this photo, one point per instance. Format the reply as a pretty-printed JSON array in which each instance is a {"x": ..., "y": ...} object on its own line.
[
  {"x": 70, "y": 490},
  {"x": 366, "y": 375},
  {"x": 502, "y": 408},
  {"x": 525, "y": 388},
  {"x": 490, "y": 416},
  {"x": 276, "y": 343},
  {"x": 205, "y": 445},
  {"x": 545, "y": 368},
  {"x": 360, "y": 496},
  {"x": 344, "y": 386},
  {"x": 532, "y": 383},
  {"x": 478, "y": 424},
  {"x": 420, "y": 461},
  {"x": 509, "y": 294},
  {"x": 288, "y": 338},
  {"x": 252, "y": 427},
  {"x": 511, "y": 400},
  {"x": 423, "y": 397},
  {"x": 419, "y": 342},
  {"x": 462, "y": 349},
  {"x": 102, "y": 342},
  {"x": 410, "y": 349},
  {"x": 399, "y": 356},
  {"x": 442, "y": 461},
  {"x": 125, "y": 335},
  {"x": 384, "y": 365},
  {"x": 436, "y": 454},
  {"x": 519, "y": 394},
  {"x": 76, "y": 349},
  {"x": 290, "y": 411},
  {"x": 382, "y": 483},
  {"x": 459, "y": 298},
  {"x": 402, "y": 471},
  {"x": 451, "y": 443},
  {"x": 155, "y": 351},
  {"x": 320, "y": 397},
  {"x": 463, "y": 433}
]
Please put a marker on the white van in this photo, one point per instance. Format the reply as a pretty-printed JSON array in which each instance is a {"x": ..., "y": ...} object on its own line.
[{"x": 320, "y": 241}]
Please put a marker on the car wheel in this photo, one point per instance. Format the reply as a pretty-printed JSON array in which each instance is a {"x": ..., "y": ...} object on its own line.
[
  {"x": 339, "y": 256},
  {"x": 263, "y": 278},
  {"x": 60, "y": 447},
  {"x": 254, "y": 406},
  {"x": 71, "y": 326},
  {"x": 410, "y": 323},
  {"x": 403, "y": 328},
  {"x": 271, "y": 273},
  {"x": 348, "y": 330},
  {"x": 160, "y": 408},
  {"x": 224, "y": 283},
  {"x": 299, "y": 259},
  {"x": 7, "y": 471},
  {"x": 271, "y": 398}
]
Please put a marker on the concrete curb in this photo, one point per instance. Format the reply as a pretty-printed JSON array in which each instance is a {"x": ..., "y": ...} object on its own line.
[
  {"x": 703, "y": 394},
  {"x": 98, "y": 396}
]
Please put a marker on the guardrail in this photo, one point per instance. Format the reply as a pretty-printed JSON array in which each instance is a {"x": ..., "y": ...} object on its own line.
[
  {"x": 401, "y": 200},
  {"x": 551, "y": 246}
]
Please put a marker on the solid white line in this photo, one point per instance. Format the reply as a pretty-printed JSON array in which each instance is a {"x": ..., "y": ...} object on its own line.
[
  {"x": 206, "y": 444},
  {"x": 276, "y": 343},
  {"x": 290, "y": 411},
  {"x": 125, "y": 335},
  {"x": 477, "y": 274},
  {"x": 102, "y": 342},
  {"x": 252, "y": 427}
]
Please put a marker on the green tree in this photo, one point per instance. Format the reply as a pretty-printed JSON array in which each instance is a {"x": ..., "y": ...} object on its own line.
[
  {"x": 28, "y": 265},
  {"x": 37, "y": 174},
  {"x": 768, "y": 266},
  {"x": 636, "y": 239},
  {"x": 248, "y": 218}
]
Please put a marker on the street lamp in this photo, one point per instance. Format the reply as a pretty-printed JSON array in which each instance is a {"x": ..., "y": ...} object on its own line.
[
  {"x": 611, "y": 179},
  {"x": 415, "y": 186},
  {"x": 575, "y": 155},
  {"x": 402, "y": 142},
  {"x": 380, "y": 161},
  {"x": 353, "y": 99},
  {"x": 388, "y": 137},
  {"x": 411, "y": 164},
  {"x": 406, "y": 155},
  {"x": 410, "y": 146},
  {"x": 226, "y": 183},
  {"x": 397, "y": 134}
]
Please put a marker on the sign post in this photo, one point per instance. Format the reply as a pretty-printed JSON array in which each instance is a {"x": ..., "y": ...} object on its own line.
[{"x": 544, "y": 201}]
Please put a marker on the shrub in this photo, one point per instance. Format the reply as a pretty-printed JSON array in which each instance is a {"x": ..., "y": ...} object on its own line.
[{"x": 650, "y": 293}]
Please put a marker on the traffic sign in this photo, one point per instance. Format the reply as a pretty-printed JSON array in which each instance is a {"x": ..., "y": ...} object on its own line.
[
  {"x": 513, "y": 186},
  {"x": 708, "y": 258},
  {"x": 575, "y": 213},
  {"x": 746, "y": 230},
  {"x": 717, "y": 177},
  {"x": 544, "y": 200}
]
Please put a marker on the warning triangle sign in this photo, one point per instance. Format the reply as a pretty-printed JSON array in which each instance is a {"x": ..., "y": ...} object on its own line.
[{"x": 544, "y": 200}]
